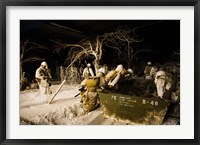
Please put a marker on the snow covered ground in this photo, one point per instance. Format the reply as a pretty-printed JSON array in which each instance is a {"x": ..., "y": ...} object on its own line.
[{"x": 64, "y": 110}]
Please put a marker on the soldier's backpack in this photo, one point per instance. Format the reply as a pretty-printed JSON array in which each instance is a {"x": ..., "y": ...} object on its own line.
[{"x": 90, "y": 96}]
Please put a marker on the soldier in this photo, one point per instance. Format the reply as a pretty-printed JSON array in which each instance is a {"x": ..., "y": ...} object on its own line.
[
  {"x": 147, "y": 70},
  {"x": 43, "y": 76},
  {"x": 86, "y": 73},
  {"x": 128, "y": 74},
  {"x": 90, "y": 98},
  {"x": 163, "y": 82},
  {"x": 113, "y": 77},
  {"x": 101, "y": 74},
  {"x": 150, "y": 71}
]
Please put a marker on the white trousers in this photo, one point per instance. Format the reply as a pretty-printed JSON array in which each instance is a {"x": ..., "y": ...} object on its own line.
[
  {"x": 44, "y": 88},
  {"x": 114, "y": 81},
  {"x": 162, "y": 85}
]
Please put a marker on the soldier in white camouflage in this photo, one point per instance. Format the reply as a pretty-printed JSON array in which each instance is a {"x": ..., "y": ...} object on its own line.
[
  {"x": 87, "y": 72},
  {"x": 43, "y": 77},
  {"x": 150, "y": 71},
  {"x": 163, "y": 81},
  {"x": 115, "y": 76}
]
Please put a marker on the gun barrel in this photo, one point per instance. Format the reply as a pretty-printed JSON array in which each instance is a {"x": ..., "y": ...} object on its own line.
[{"x": 76, "y": 95}]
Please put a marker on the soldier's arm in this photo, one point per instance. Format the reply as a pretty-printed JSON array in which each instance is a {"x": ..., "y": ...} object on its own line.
[
  {"x": 84, "y": 71},
  {"x": 38, "y": 74},
  {"x": 49, "y": 74},
  {"x": 91, "y": 72}
]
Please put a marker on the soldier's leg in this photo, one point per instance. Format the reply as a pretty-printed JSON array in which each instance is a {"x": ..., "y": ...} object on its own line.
[
  {"x": 160, "y": 87},
  {"x": 114, "y": 81},
  {"x": 49, "y": 90}
]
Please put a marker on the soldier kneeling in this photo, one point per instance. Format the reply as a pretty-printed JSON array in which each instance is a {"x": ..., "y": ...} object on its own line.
[{"x": 90, "y": 98}]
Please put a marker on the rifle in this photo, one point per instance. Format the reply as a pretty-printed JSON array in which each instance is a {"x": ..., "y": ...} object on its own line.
[
  {"x": 82, "y": 89},
  {"x": 77, "y": 95}
]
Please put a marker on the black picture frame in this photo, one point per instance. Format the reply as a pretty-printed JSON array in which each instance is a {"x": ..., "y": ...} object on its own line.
[{"x": 5, "y": 3}]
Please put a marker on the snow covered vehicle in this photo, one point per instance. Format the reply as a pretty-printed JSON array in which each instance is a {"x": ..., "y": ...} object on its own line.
[{"x": 132, "y": 108}]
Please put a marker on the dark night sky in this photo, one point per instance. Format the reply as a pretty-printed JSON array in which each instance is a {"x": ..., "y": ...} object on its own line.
[{"x": 161, "y": 36}]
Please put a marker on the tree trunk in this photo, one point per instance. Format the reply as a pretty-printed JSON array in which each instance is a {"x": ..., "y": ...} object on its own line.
[
  {"x": 96, "y": 64},
  {"x": 98, "y": 54}
]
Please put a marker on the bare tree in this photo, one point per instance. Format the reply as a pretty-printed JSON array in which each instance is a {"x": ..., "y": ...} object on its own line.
[
  {"x": 82, "y": 50},
  {"x": 25, "y": 47},
  {"x": 122, "y": 40}
]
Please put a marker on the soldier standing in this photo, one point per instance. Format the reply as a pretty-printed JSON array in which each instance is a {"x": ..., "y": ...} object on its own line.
[
  {"x": 43, "y": 76},
  {"x": 150, "y": 71},
  {"x": 163, "y": 82},
  {"x": 86, "y": 73},
  {"x": 101, "y": 74}
]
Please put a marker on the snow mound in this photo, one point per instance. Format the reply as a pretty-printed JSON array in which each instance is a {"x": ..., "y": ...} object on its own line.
[{"x": 70, "y": 115}]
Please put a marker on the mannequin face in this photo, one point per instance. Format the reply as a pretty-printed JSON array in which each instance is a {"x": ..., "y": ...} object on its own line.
[{"x": 44, "y": 67}]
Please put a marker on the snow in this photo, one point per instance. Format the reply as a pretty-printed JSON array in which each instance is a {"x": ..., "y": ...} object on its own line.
[{"x": 64, "y": 110}]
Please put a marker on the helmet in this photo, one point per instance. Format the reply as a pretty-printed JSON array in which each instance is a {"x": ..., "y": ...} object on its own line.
[
  {"x": 44, "y": 64},
  {"x": 160, "y": 73},
  {"x": 149, "y": 63},
  {"x": 88, "y": 65},
  {"x": 130, "y": 70},
  {"x": 102, "y": 70}
]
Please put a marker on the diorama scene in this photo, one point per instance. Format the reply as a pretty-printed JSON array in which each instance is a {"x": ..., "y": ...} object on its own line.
[{"x": 99, "y": 72}]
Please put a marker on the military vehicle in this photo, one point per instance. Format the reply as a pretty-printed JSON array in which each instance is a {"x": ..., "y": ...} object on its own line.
[{"x": 129, "y": 105}]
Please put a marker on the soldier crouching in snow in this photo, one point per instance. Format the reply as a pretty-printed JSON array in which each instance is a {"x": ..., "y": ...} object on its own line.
[
  {"x": 118, "y": 75},
  {"x": 43, "y": 76},
  {"x": 90, "y": 98},
  {"x": 113, "y": 76}
]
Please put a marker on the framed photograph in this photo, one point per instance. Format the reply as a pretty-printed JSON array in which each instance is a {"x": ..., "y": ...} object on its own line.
[{"x": 78, "y": 72}]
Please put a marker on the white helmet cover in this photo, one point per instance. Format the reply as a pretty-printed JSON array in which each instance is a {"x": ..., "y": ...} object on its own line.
[
  {"x": 130, "y": 70},
  {"x": 88, "y": 65},
  {"x": 149, "y": 63},
  {"x": 119, "y": 68},
  {"x": 44, "y": 64},
  {"x": 160, "y": 73}
]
